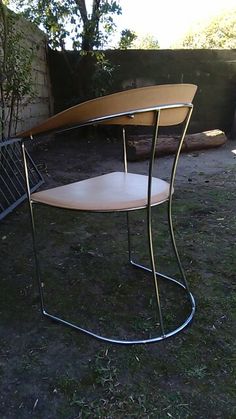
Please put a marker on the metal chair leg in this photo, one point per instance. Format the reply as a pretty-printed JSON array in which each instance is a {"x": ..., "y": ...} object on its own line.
[
  {"x": 104, "y": 338},
  {"x": 183, "y": 286}
]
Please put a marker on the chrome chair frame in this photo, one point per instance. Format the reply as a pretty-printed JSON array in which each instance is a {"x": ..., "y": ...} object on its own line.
[{"x": 183, "y": 286}]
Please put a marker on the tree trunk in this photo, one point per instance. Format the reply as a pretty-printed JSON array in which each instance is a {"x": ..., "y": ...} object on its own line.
[
  {"x": 90, "y": 26},
  {"x": 139, "y": 147}
]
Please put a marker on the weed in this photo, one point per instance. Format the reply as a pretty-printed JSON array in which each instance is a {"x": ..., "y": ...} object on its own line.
[{"x": 197, "y": 372}]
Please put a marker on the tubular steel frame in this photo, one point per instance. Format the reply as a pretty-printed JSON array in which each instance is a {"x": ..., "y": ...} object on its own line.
[{"x": 184, "y": 286}]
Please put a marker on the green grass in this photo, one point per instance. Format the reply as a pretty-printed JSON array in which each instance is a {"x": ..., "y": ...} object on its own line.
[{"x": 189, "y": 376}]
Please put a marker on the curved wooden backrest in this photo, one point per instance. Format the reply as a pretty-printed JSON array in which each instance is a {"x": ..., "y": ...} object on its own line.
[{"x": 126, "y": 101}]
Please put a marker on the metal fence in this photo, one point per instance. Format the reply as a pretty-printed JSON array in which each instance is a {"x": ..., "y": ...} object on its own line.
[{"x": 12, "y": 181}]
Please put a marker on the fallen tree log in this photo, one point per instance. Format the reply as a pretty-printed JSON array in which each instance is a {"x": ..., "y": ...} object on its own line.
[{"x": 139, "y": 146}]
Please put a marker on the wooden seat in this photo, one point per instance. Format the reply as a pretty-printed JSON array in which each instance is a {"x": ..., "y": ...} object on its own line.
[{"x": 117, "y": 191}]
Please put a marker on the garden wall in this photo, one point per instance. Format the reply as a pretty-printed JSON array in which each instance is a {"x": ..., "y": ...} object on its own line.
[
  {"x": 40, "y": 107},
  {"x": 214, "y": 71}
]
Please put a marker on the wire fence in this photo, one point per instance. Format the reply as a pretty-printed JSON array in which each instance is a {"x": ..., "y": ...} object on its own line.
[{"x": 12, "y": 181}]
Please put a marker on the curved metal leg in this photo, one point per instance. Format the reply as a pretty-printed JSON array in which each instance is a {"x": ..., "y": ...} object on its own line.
[
  {"x": 183, "y": 286},
  {"x": 153, "y": 267},
  {"x": 130, "y": 342},
  {"x": 30, "y": 204},
  {"x": 37, "y": 267},
  {"x": 129, "y": 237},
  {"x": 170, "y": 223},
  {"x": 152, "y": 271},
  {"x": 154, "y": 274}
]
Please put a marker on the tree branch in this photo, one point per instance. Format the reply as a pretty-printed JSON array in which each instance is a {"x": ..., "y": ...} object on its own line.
[
  {"x": 83, "y": 10},
  {"x": 95, "y": 8}
]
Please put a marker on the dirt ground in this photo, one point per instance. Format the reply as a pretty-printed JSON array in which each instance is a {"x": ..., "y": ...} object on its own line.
[
  {"x": 49, "y": 371},
  {"x": 107, "y": 156}
]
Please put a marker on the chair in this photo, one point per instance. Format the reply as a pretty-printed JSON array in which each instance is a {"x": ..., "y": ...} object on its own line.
[{"x": 153, "y": 106}]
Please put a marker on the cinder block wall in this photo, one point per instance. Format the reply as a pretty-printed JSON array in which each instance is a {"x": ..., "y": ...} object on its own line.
[
  {"x": 41, "y": 106},
  {"x": 214, "y": 71}
]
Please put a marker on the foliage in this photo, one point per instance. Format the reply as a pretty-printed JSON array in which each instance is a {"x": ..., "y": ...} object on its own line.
[
  {"x": 127, "y": 38},
  {"x": 71, "y": 20},
  {"x": 130, "y": 40},
  {"x": 147, "y": 42},
  {"x": 102, "y": 75},
  {"x": 15, "y": 71},
  {"x": 219, "y": 33}
]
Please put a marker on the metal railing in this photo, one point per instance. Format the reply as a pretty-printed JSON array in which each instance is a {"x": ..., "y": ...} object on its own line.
[{"x": 12, "y": 181}]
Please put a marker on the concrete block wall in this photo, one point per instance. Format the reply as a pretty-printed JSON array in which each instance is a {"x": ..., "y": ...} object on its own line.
[
  {"x": 40, "y": 107},
  {"x": 214, "y": 71}
]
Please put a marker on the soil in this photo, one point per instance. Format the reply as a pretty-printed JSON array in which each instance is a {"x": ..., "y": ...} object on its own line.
[
  {"x": 50, "y": 371},
  {"x": 74, "y": 159}
]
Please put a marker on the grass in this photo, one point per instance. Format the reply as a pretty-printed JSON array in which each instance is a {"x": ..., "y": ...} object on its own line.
[{"x": 47, "y": 371}]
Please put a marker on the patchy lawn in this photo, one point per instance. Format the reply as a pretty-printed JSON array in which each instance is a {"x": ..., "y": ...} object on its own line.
[{"x": 48, "y": 371}]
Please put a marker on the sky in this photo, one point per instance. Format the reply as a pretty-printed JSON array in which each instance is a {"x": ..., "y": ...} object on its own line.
[{"x": 168, "y": 20}]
